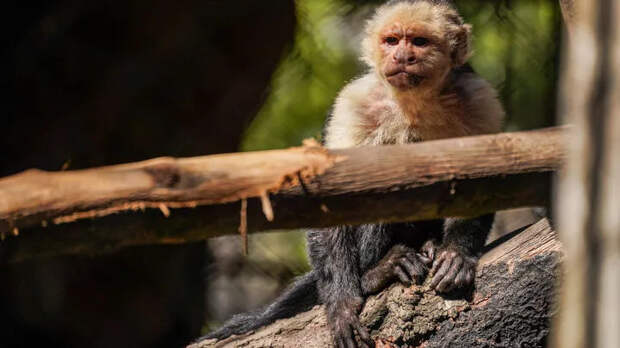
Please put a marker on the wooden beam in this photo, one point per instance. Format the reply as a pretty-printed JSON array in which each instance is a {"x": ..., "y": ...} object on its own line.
[{"x": 171, "y": 200}]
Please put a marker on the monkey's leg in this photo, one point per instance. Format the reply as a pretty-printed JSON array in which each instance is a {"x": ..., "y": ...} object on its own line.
[
  {"x": 335, "y": 257},
  {"x": 456, "y": 259},
  {"x": 402, "y": 263}
]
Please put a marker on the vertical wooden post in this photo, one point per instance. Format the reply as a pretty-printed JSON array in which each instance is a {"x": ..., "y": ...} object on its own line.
[{"x": 588, "y": 190}]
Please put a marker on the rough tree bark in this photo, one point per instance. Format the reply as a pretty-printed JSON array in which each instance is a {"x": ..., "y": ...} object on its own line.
[
  {"x": 588, "y": 198},
  {"x": 511, "y": 305},
  {"x": 302, "y": 187}
]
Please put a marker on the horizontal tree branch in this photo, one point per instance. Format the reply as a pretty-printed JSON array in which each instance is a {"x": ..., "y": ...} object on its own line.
[
  {"x": 169, "y": 200},
  {"x": 511, "y": 305}
]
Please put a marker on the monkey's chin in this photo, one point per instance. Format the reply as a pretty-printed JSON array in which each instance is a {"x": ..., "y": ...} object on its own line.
[{"x": 404, "y": 80}]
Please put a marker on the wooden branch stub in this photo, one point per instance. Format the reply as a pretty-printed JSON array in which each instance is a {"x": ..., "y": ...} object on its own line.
[
  {"x": 170, "y": 200},
  {"x": 511, "y": 305},
  {"x": 568, "y": 13}
]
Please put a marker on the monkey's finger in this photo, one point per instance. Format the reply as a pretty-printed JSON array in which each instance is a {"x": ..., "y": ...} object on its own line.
[
  {"x": 362, "y": 344},
  {"x": 469, "y": 276},
  {"x": 440, "y": 272},
  {"x": 464, "y": 277},
  {"x": 430, "y": 247},
  {"x": 460, "y": 280},
  {"x": 340, "y": 342},
  {"x": 347, "y": 338},
  {"x": 408, "y": 266},
  {"x": 351, "y": 342},
  {"x": 438, "y": 263},
  {"x": 426, "y": 260},
  {"x": 429, "y": 250},
  {"x": 414, "y": 270},
  {"x": 402, "y": 276},
  {"x": 447, "y": 283},
  {"x": 362, "y": 332}
]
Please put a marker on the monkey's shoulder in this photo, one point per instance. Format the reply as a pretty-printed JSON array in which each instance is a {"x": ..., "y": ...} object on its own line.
[
  {"x": 365, "y": 114},
  {"x": 482, "y": 110},
  {"x": 366, "y": 94}
]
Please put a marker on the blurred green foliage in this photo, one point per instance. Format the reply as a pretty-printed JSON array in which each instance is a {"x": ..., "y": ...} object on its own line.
[
  {"x": 515, "y": 44},
  {"x": 307, "y": 80}
]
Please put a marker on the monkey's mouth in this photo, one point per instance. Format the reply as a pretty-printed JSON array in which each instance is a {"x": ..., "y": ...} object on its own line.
[
  {"x": 402, "y": 79},
  {"x": 415, "y": 80}
]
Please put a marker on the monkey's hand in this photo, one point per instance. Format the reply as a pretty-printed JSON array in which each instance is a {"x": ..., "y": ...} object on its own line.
[
  {"x": 453, "y": 268},
  {"x": 344, "y": 322},
  {"x": 401, "y": 263},
  {"x": 407, "y": 265}
]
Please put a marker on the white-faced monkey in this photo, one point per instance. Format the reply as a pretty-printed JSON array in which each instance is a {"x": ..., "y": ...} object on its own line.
[{"x": 419, "y": 87}]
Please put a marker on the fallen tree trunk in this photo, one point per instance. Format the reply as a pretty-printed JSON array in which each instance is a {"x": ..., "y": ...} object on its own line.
[
  {"x": 300, "y": 187},
  {"x": 511, "y": 306}
]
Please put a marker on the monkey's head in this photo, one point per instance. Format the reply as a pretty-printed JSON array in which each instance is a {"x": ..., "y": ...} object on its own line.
[{"x": 415, "y": 43}]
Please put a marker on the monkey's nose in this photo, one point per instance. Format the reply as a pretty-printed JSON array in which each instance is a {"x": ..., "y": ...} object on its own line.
[{"x": 403, "y": 57}]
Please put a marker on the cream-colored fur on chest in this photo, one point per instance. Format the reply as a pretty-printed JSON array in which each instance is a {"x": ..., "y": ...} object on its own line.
[{"x": 367, "y": 113}]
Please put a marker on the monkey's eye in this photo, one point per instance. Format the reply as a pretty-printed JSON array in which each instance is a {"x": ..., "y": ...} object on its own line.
[
  {"x": 420, "y": 41},
  {"x": 391, "y": 40}
]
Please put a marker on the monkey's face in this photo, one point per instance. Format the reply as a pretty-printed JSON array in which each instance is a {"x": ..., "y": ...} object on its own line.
[
  {"x": 411, "y": 55},
  {"x": 413, "y": 45}
]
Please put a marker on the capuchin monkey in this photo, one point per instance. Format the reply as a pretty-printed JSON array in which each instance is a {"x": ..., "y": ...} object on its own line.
[{"x": 419, "y": 87}]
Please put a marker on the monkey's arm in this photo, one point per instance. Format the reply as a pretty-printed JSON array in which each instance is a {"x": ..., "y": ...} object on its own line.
[
  {"x": 455, "y": 262},
  {"x": 335, "y": 257}
]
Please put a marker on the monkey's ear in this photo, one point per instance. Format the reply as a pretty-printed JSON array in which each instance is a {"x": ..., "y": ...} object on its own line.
[{"x": 461, "y": 44}]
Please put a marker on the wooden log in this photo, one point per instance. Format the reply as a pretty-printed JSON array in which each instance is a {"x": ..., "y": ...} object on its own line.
[
  {"x": 511, "y": 305},
  {"x": 170, "y": 200}
]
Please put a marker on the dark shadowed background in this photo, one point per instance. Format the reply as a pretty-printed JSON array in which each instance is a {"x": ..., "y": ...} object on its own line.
[{"x": 104, "y": 82}]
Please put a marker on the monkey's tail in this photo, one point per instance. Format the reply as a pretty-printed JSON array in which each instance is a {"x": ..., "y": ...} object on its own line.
[{"x": 298, "y": 297}]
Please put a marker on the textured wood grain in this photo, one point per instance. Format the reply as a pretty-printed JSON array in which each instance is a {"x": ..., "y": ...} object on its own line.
[
  {"x": 511, "y": 305},
  {"x": 588, "y": 203},
  {"x": 171, "y": 200}
]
